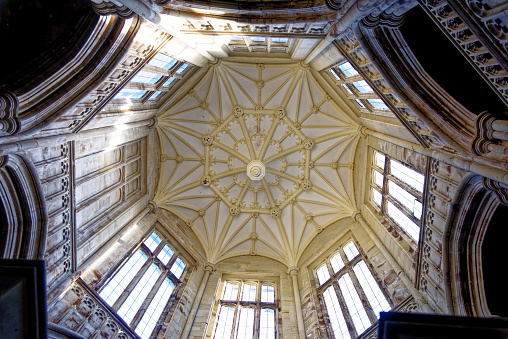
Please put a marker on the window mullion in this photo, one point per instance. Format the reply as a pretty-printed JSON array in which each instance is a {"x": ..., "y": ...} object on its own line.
[
  {"x": 148, "y": 299},
  {"x": 384, "y": 190},
  {"x": 234, "y": 329},
  {"x": 408, "y": 188},
  {"x": 404, "y": 210},
  {"x": 173, "y": 259},
  {"x": 257, "y": 311},
  {"x": 363, "y": 297},
  {"x": 345, "y": 310},
  {"x": 131, "y": 285}
]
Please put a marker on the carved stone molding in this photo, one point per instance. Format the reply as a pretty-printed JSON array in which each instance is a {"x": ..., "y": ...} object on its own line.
[
  {"x": 384, "y": 19},
  {"x": 335, "y": 5},
  {"x": 477, "y": 34},
  {"x": 500, "y": 190},
  {"x": 9, "y": 123},
  {"x": 388, "y": 50},
  {"x": 108, "y": 8},
  {"x": 23, "y": 218},
  {"x": 488, "y": 137}
]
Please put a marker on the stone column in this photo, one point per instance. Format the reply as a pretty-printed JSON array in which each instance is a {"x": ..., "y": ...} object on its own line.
[
  {"x": 293, "y": 272},
  {"x": 209, "y": 268},
  {"x": 421, "y": 301}
]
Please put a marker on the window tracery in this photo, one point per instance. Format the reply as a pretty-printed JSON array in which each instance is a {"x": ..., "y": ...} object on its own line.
[
  {"x": 351, "y": 296},
  {"x": 142, "y": 288}
]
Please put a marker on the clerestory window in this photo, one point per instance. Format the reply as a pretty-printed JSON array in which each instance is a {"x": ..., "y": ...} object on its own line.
[
  {"x": 246, "y": 309},
  {"x": 141, "y": 288},
  {"x": 351, "y": 295},
  {"x": 397, "y": 192}
]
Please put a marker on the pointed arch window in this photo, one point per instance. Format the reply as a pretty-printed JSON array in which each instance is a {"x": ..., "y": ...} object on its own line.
[
  {"x": 350, "y": 294},
  {"x": 142, "y": 287}
]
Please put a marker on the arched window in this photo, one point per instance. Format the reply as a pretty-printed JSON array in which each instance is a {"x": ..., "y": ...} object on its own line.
[
  {"x": 141, "y": 288},
  {"x": 349, "y": 292},
  {"x": 247, "y": 309}
]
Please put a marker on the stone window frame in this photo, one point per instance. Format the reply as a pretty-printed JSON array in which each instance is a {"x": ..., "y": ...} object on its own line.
[
  {"x": 178, "y": 283},
  {"x": 333, "y": 282},
  {"x": 359, "y": 98},
  {"x": 257, "y": 305},
  {"x": 385, "y": 195},
  {"x": 158, "y": 86}
]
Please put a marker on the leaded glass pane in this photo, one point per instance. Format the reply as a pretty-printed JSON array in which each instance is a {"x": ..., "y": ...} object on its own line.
[
  {"x": 153, "y": 241},
  {"x": 165, "y": 254},
  {"x": 362, "y": 86},
  {"x": 371, "y": 288},
  {"x": 249, "y": 292},
  {"x": 123, "y": 277},
  {"x": 138, "y": 295},
  {"x": 377, "y": 197},
  {"x": 178, "y": 267},
  {"x": 267, "y": 294},
  {"x": 162, "y": 61},
  {"x": 245, "y": 328},
  {"x": 337, "y": 321},
  {"x": 348, "y": 69},
  {"x": 380, "y": 160},
  {"x": 407, "y": 175},
  {"x": 354, "y": 304},
  {"x": 267, "y": 324},
  {"x": 407, "y": 224},
  {"x": 350, "y": 250},
  {"x": 145, "y": 77},
  {"x": 230, "y": 292},
  {"x": 323, "y": 274},
  {"x": 378, "y": 179},
  {"x": 405, "y": 198},
  {"x": 154, "y": 310},
  {"x": 378, "y": 104},
  {"x": 129, "y": 94},
  {"x": 337, "y": 262},
  {"x": 225, "y": 322}
]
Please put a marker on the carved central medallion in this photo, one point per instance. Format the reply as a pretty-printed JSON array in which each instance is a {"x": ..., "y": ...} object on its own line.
[{"x": 256, "y": 170}]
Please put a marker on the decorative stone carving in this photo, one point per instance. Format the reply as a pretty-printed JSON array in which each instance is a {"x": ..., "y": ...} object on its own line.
[
  {"x": 207, "y": 140},
  {"x": 256, "y": 170},
  {"x": 275, "y": 212},
  {"x": 108, "y": 8},
  {"x": 306, "y": 185},
  {"x": 9, "y": 123},
  {"x": 238, "y": 111},
  {"x": 280, "y": 113},
  {"x": 308, "y": 143},
  {"x": 234, "y": 210}
]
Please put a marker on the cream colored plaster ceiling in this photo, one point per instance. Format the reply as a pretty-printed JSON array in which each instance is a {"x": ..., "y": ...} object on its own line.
[{"x": 257, "y": 159}]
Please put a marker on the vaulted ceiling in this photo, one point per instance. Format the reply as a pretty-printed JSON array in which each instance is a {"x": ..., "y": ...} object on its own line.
[{"x": 257, "y": 159}]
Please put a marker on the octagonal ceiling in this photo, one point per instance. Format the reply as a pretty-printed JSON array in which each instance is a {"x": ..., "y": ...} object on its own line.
[{"x": 257, "y": 159}]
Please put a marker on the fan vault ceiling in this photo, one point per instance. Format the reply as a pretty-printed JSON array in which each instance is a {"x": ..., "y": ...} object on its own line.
[{"x": 257, "y": 159}]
